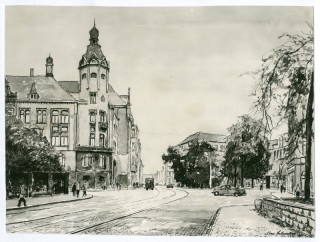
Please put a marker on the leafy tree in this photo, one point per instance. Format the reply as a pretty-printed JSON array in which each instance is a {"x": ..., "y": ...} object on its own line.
[
  {"x": 231, "y": 163},
  {"x": 286, "y": 84},
  {"x": 247, "y": 149},
  {"x": 198, "y": 163},
  {"x": 27, "y": 151},
  {"x": 192, "y": 166},
  {"x": 175, "y": 157}
]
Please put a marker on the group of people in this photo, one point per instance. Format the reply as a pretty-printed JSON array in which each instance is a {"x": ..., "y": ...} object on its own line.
[{"x": 76, "y": 188}]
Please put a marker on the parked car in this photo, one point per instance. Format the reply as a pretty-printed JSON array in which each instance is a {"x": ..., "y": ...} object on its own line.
[
  {"x": 228, "y": 190},
  {"x": 170, "y": 186}
]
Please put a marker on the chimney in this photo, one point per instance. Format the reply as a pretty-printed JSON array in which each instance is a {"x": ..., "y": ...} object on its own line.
[{"x": 31, "y": 72}]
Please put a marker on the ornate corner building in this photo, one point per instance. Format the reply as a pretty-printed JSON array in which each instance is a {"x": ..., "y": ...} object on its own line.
[{"x": 88, "y": 123}]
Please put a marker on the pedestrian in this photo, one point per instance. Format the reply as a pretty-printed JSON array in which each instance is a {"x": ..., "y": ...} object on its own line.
[
  {"x": 78, "y": 188},
  {"x": 281, "y": 188},
  {"x": 22, "y": 196},
  {"x": 104, "y": 186},
  {"x": 297, "y": 191},
  {"x": 74, "y": 189},
  {"x": 261, "y": 186},
  {"x": 118, "y": 185},
  {"x": 84, "y": 188}
]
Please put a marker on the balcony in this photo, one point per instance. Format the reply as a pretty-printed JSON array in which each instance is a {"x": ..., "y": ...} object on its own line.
[
  {"x": 94, "y": 149},
  {"x": 133, "y": 168},
  {"x": 103, "y": 126}
]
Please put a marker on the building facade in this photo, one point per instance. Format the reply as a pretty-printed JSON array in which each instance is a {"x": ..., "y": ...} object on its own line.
[
  {"x": 278, "y": 162},
  {"x": 87, "y": 122}
]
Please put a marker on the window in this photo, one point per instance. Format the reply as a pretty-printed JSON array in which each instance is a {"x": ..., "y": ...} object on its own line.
[
  {"x": 62, "y": 159},
  {"x": 93, "y": 97},
  {"x": 303, "y": 148},
  {"x": 103, "y": 76},
  {"x": 86, "y": 160},
  {"x": 10, "y": 111},
  {"x": 25, "y": 115},
  {"x": 92, "y": 128},
  {"x": 41, "y": 116},
  {"x": 84, "y": 76},
  {"x": 103, "y": 117},
  {"x": 55, "y": 116},
  {"x": 103, "y": 161},
  {"x": 64, "y": 116},
  {"x": 59, "y": 135},
  {"x": 64, "y": 135},
  {"x": 92, "y": 116},
  {"x": 101, "y": 140},
  {"x": 92, "y": 139},
  {"x": 93, "y": 75}
]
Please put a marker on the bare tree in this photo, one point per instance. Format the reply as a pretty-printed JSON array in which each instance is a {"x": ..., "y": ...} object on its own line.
[{"x": 285, "y": 84}]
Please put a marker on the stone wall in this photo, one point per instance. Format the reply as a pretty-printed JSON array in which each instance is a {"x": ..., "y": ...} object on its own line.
[{"x": 298, "y": 216}]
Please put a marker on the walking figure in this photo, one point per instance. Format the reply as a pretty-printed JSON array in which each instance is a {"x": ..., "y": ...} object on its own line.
[
  {"x": 78, "y": 188},
  {"x": 104, "y": 186},
  {"x": 297, "y": 191},
  {"x": 118, "y": 186},
  {"x": 84, "y": 188},
  {"x": 22, "y": 196},
  {"x": 281, "y": 188},
  {"x": 74, "y": 189},
  {"x": 261, "y": 187}
]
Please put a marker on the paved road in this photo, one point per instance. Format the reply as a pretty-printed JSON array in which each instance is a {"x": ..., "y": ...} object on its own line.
[{"x": 139, "y": 212}]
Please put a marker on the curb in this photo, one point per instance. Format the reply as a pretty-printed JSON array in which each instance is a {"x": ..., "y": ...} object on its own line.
[
  {"x": 49, "y": 203},
  {"x": 214, "y": 217}
]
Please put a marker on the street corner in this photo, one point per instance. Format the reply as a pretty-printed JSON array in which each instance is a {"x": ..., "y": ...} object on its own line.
[{"x": 244, "y": 221}]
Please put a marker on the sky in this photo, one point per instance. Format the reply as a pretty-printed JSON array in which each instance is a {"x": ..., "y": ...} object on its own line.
[{"x": 183, "y": 64}]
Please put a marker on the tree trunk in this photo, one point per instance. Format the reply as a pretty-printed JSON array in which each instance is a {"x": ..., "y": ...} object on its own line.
[
  {"x": 235, "y": 175},
  {"x": 242, "y": 176},
  {"x": 309, "y": 117},
  {"x": 252, "y": 180}
]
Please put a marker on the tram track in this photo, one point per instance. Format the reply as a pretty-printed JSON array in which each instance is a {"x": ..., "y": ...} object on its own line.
[
  {"x": 97, "y": 225},
  {"x": 39, "y": 227},
  {"x": 68, "y": 206}
]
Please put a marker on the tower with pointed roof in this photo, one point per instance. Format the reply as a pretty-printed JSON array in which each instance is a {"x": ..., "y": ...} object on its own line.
[
  {"x": 49, "y": 66},
  {"x": 93, "y": 68}
]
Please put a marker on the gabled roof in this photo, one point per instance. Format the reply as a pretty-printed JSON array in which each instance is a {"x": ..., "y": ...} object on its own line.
[
  {"x": 205, "y": 136},
  {"x": 114, "y": 97},
  {"x": 70, "y": 86},
  {"x": 48, "y": 88}
]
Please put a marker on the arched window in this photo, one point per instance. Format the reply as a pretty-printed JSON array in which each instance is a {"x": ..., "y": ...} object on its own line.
[
  {"x": 101, "y": 140},
  {"x": 103, "y": 76},
  {"x": 84, "y": 75},
  {"x": 93, "y": 75}
]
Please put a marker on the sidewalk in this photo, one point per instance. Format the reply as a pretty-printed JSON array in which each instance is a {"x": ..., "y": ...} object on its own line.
[
  {"x": 244, "y": 221},
  {"x": 11, "y": 204}
]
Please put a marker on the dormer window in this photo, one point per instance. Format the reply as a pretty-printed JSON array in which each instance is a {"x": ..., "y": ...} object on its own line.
[
  {"x": 84, "y": 76},
  {"x": 33, "y": 94},
  {"x": 93, "y": 75}
]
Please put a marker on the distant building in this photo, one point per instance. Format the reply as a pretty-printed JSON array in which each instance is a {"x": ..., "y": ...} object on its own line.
[
  {"x": 278, "y": 163},
  {"x": 219, "y": 142}
]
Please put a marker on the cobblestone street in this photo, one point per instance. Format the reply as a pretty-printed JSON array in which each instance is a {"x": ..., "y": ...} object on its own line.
[{"x": 129, "y": 212}]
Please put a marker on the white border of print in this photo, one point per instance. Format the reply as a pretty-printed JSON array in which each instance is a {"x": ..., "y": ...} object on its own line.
[{"x": 48, "y": 238}]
